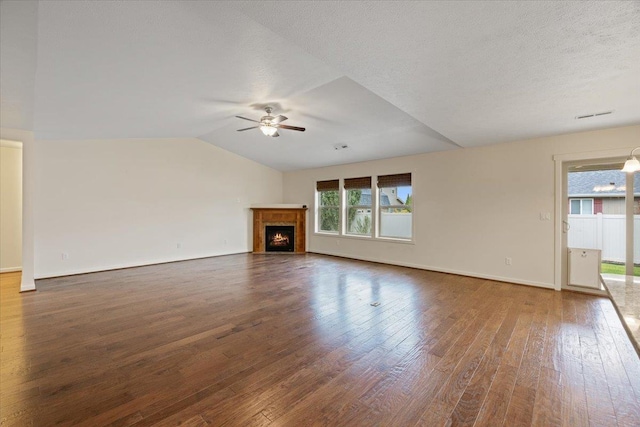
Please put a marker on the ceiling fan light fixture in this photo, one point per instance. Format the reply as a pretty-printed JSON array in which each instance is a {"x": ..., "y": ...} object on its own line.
[
  {"x": 269, "y": 124},
  {"x": 268, "y": 129}
]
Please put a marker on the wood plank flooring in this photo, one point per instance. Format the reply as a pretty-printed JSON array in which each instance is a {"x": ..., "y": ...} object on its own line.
[{"x": 259, "y": 340}]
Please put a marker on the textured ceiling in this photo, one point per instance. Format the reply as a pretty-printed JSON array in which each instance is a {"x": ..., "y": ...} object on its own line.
[
  {"x": 340, "y": 112},
  {"x": 384, "y": 78},
  {"x": 479, "y": 72}
]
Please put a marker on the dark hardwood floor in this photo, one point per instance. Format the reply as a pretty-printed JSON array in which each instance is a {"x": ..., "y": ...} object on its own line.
[{"x": 295, "y": 341}]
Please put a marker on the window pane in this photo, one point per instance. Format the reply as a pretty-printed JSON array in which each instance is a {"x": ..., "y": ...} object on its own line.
[
  {"x": 328, "y": 210},
  {"x": 587, "y": 207},
  {"x": 395, "y": 222},
  {"x": 396, "y": 206},
  {"x": 575, "y": 207},
  {"x": 359, "y": 197},
  {"x": 359, "y": 221},
  {"x": 328, "y": 218},
  {"x": 396, "y": 196},
  {"x": 359, "y": 211},
  {"x": 329, "y": 198}
]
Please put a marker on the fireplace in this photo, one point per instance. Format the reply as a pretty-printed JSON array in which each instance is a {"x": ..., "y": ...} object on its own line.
[
  {"x": 279, "y": 238},
  {"x": 290, "y": 220}
]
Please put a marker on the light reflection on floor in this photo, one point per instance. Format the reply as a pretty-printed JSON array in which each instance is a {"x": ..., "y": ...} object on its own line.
[
  {"x": 352, "y": 298},
  {"x": 625, "y": 294}
]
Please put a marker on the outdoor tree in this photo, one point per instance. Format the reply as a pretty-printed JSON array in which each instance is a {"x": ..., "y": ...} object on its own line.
[
  {"x": 363, "y": 226},
  {"x": 330, "y": 202},
  {"x": 330, "y": 212},
  {"x": 353, "y": 197},
  {"x": 408, "y": 203}
]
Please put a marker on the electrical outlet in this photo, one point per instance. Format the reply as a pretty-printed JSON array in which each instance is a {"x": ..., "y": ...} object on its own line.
[
  {"x": 226, "y": 241},
  {"x": 64, "y": 256},
  {"x": 507, "y": 260},
  {"x": 178, "y": 245},
  {"x": 545, "y": 216}
]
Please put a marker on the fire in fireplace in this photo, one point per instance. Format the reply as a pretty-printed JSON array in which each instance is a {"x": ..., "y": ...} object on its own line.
[{"x": 279, "y": 238}]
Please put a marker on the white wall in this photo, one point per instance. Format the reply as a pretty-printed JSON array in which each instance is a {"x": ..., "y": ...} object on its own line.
[
  {"x": 118, "y": 203},
  {"x": 473, "y": 207},
  {"x": 10, "y": 207}
]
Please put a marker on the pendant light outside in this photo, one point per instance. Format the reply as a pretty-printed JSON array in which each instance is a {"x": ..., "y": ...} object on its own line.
[{"x": 632, "y": 164}]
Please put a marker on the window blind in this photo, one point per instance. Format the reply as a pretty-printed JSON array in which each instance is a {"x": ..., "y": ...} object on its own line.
[
  {"x": 397, "y": 180},
  {"x": 330, "y": 185},
  {"x": 357, "y": 183}
]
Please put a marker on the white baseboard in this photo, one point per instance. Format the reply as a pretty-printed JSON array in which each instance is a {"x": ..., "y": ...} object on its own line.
[
  {"x": 27, "y": 287},
  {"x": 349, "y": 256},
  {"x": 72, "y": 272},
  {"x": 10, "y": 269},
  {"x": 445, "y": 270}
]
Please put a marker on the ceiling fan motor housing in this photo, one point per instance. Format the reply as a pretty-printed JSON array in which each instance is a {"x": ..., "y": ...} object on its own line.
[{"x": 268, "y": 118}]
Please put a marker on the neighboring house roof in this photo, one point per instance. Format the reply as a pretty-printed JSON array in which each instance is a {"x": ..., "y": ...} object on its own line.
[
  {"x": 608, "y": 183},
  {"x": 365, "y": 198}
]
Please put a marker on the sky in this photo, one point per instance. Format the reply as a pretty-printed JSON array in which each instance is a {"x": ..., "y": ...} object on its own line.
[{"x": 403, "y": 192}]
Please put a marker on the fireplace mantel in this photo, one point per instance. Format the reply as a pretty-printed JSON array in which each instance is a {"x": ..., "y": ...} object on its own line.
[{"x": 263, "y": 216}]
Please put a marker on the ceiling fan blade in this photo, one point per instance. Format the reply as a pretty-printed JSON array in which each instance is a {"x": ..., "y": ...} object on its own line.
[
  {"x": 252, "y": 127},
  {"x": 278, "y": 119},
  {"x": 290, "y": 127},
  {"x": 275, "y": 134},
  {"x": 244, "y": 118}
]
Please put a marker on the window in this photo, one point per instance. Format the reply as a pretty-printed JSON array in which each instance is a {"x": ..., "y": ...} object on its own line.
[
  {"x": 328, "y": 206},
  {"x": 395, "y": 204},
  {"x": 357, "y": 210},
  {"x": 358, "y": 201},
  {"x": 581, "y": 206}
]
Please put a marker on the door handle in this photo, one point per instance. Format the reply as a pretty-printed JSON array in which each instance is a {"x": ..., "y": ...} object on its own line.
[{"x": 566, "y": 226}]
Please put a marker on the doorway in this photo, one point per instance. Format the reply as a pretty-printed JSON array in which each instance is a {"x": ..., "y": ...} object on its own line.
[
  {"x": 10, "y": 206},
  {"x": 599, "y": 212}
]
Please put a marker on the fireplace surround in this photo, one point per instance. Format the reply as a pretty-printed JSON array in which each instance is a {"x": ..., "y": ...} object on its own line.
[{"x": 279, "y": 217}]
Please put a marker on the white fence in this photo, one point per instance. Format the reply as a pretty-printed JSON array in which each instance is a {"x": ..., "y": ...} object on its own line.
[
  {"x": 604, "y": 232},
  {"x": 395, "y": 224},
  {"x": 391, "y": 224}
]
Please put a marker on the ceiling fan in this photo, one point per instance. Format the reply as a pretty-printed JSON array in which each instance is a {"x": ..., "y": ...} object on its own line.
[{"x": 269, "y": 124}]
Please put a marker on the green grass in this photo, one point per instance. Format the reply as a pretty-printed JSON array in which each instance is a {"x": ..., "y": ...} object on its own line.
[{"x": 618, "y": 269}]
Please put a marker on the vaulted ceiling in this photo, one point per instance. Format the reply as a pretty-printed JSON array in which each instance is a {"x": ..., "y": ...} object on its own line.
[{"x": 384, "y": 78}]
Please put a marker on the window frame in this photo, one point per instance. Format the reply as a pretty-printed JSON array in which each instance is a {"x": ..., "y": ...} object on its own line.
[
  {"x": 361, "y": 183},
  {"x": 320, "y": 207},
  {"x": 582, "y": 200},
  {"x": 342, "y": 232},
  {"x": 347, "y": 206},
  {"x": 380, "y": 207}
]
